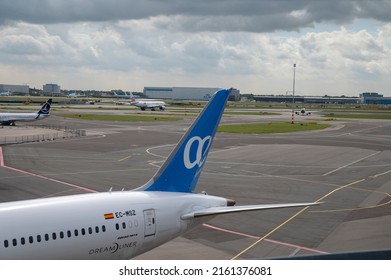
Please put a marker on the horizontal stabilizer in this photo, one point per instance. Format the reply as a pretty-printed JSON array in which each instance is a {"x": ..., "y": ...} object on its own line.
[{"x": 234, "y": 209}]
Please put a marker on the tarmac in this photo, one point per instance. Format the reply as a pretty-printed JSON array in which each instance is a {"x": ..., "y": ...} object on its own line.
[{"x": 346, "y": 166}]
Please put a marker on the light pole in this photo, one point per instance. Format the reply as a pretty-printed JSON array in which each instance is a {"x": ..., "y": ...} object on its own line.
[{"x": 293, "y": 94}]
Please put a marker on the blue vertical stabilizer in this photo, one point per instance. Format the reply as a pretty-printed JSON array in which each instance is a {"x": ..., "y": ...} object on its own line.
[{"x": 181, "y": 170}]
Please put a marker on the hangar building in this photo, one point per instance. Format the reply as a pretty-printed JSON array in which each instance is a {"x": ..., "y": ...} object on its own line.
[
  {"x": 185, "y": 93},
  {"x": 374, "y": 98},
  {"x": 14, "y": 88}
]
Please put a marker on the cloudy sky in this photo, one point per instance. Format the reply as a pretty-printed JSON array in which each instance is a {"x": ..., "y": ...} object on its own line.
[{"x": 339, "y": 46}]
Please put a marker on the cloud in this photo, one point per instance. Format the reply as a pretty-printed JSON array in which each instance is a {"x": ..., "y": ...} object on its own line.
[
  {"x": 202, "y": 15},
  {"x": 126, "y": 47},
  {"x": 250, "y": 44},
  {"x": 26, "y": 43}
]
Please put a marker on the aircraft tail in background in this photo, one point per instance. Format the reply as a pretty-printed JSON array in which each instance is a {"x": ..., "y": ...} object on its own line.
[{"x": 45, "y": 108}]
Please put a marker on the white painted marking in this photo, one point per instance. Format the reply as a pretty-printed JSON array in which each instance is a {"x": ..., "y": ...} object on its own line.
[{"x": 349, "y": 164}]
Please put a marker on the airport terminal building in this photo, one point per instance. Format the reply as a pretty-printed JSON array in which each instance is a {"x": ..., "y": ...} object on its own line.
[
  {"x": 365, "y": 98},
  {"x": 308, "y": 99},
  {"x": 185, "y": 93}
]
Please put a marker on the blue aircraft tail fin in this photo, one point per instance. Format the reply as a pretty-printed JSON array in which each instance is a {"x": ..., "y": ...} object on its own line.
[{"x": 181, "y": 170}]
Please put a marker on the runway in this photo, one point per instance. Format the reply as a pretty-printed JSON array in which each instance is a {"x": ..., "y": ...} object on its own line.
[{"x": 347, "y": 167}]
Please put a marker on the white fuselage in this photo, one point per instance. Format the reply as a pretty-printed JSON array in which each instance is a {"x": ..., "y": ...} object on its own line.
[
  {"x": 26, "y": 117},
  {"x": 150, "y": 104},
  {"x": 112, "y": 225}
]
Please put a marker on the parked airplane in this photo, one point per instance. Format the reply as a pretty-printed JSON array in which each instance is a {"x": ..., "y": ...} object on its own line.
[
  {"x": 147, "y": 104},
  {"x": 121, "y": 225},
  {"x": 76, "y": 95},
  {"x": 11, "y": 118},
  {"x": 125, "y": 95},
  {"x": 5, "y": 93}
]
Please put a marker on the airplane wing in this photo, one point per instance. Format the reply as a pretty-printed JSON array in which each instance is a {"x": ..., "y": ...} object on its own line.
[{"x": 234, "y": 209}]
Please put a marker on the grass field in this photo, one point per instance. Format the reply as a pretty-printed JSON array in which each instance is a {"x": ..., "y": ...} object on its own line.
[{"x": 274, "y": 127}]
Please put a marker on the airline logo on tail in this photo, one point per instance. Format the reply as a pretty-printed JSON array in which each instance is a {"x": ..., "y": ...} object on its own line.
[
  {"x": 45, "y": 109},
  {"x": 182, "y": 169},
  {"x": 200, "y": 154}
]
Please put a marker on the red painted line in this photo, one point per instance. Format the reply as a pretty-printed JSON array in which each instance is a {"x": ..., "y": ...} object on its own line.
[
  {"x": 2, "y": 164},
  {"x": 267, "y": 240}
]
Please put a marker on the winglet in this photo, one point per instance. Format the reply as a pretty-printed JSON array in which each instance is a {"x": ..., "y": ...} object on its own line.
[{"x": 181, "y": 170}]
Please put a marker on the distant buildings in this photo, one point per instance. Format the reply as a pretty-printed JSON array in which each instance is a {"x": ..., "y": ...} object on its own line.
[
  {"x": 25, "y": 89},
  {"x": 365, "y": 98},
  {"x": 51, "y": 88},
  {"x": 309, "y": 99},
  {"x": 374, "y": 98},
  {"x": 185, "y": 93},
  {"x": 201, "y": 93},
  {"x": 14, "y": 88}
]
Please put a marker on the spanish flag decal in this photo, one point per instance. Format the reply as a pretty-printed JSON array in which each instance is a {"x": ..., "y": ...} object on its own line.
[{"x": 109, "y": 216}]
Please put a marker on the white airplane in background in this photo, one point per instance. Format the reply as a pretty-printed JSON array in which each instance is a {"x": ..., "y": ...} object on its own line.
[
  {"x": 303, "y": 112},
  {"x": 123, "y": 224},
  {"x": 147, "y": 104},
  {"x": 11, "y": 118},
  {"x": 76, "y": 95}
]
